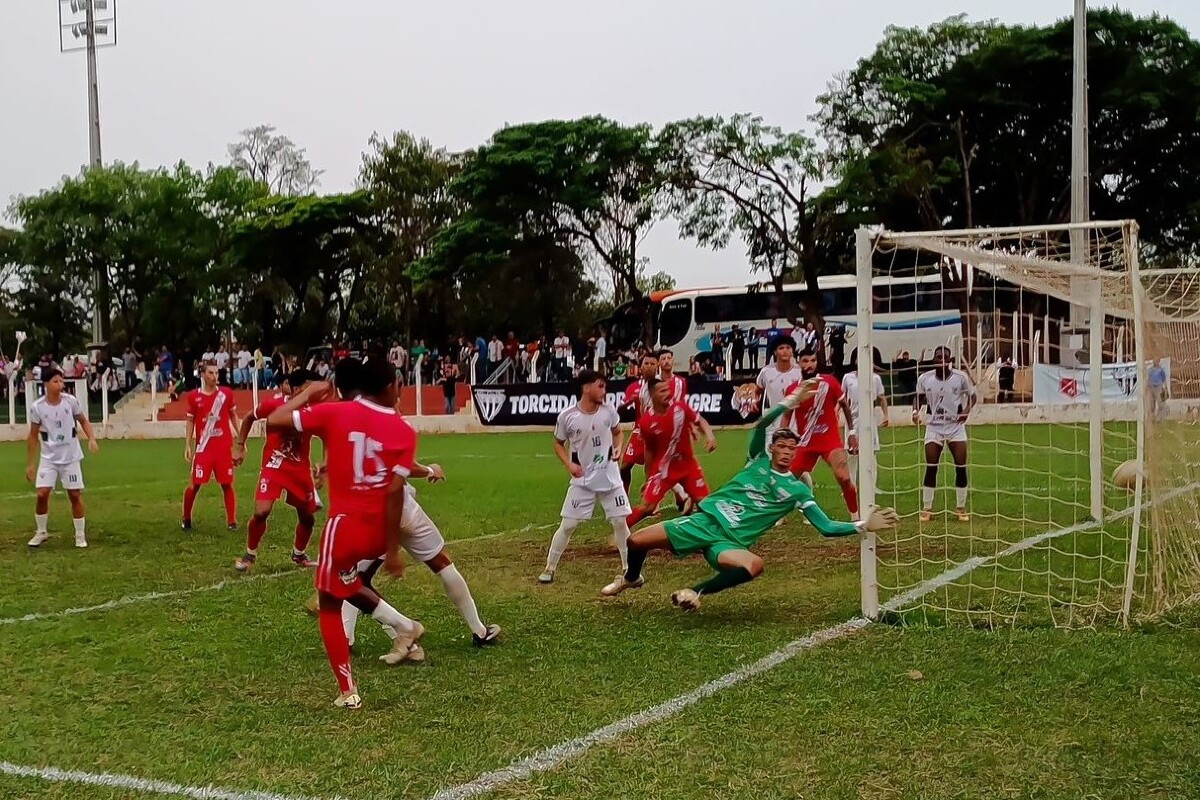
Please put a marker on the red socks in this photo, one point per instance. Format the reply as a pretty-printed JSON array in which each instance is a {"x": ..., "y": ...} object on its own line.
[
  {"x": 230, "y": 503},
  {"x": 850, "y": 492},
  {"x": 337, "y": 647},
  {"x": 254, "y": 533},
  {"x": 303, "y": 537},
  {"x": 189, "y": 499}
]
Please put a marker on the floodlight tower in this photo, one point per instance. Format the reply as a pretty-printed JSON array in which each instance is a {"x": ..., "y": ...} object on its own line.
[{"x": 88, "y": 25}]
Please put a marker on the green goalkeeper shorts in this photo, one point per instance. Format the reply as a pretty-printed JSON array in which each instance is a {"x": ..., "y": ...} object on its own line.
[{"x": 700, "y": 533}]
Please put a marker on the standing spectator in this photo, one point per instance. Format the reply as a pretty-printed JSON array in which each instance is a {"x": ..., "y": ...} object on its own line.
[
  {"x": 166, "y": 365},
  {"x": 420, "y": 358},
  {"x": 905, "y": 369},
  {"x": 1007, "y": 379},
  {"x": 737, "y": 349},
  {"x": 562, "y": 351},
  {"x": 244, "y": 360},
  {"x": 837, "y": 350},
  {"x": 1160, "y": 390},
  {"x": 129, "y": 360},
  {"x": 495, "y": 351},
  {"x": 397, "y": 356},
  {"x": 278, "y": 363},
  {"x": 772, "y": 335},
  {"x": 260, "y": 367},
  {"x": 207, "y": 357},
  {"x": 221, "y": 359},
  {"x": 341, "y": 351},
  {"x": 755, "y": 345},
  {"x": 602, "y": 353},
  {"x": 323, "y": 369},
  {"x": 449, "y": 380},
  {"x": 512, "y": 348}
]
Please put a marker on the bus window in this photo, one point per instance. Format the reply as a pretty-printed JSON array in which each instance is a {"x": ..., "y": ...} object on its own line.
[
  {"x": 932, "y": 297},
  {"x": 840, "y": 302},
  {"x": 674, "y": 322}
]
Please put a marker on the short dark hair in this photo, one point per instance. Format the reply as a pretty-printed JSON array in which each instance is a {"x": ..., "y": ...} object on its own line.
[
  {"x": 587, "y": 377},
  {"x": 50, "y": 373},
  {"x": 375, "y": 376},
  {"x": 807, "y": 352},
  {"x": 648, "y": 355},
  {"x": 783, "y": 340},
  {"x": 665, "y": 351},
  {"x": 347, "y": 376},
  {"x": 298, "y": 377},
  {"x": 784, "y": 433}
]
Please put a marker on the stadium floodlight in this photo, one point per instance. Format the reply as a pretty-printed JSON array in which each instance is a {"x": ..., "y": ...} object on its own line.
[
  {"x": 1091, "y": 520},
  {"x": 87, "y": 25}
]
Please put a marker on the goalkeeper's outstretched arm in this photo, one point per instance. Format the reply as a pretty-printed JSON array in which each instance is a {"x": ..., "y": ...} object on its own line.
[{"x": 826, "y": 526}]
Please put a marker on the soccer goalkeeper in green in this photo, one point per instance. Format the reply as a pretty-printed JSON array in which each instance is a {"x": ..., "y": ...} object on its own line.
[{"x": 728, "y": 522}]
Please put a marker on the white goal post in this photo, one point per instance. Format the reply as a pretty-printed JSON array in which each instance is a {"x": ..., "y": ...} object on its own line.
[{"x": 1044, "y": 535}]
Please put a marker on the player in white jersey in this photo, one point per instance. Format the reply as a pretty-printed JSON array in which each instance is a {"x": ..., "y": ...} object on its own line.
[
  {"x": 776, "y": 378},
  {"x": 850, "y": 391},
  {"x": 592, "y": 431},
  {"x": 949, "y": 396},
  {"x": 54, "y": 420}
]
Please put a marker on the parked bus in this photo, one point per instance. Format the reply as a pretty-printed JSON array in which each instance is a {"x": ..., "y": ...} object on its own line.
[{"x": 911, "y": 313}]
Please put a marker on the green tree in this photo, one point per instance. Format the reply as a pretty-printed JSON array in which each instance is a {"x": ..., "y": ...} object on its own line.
[
  {"x": 409, "y": 185},
  {"x": 274, "y": 161},
  {"x": 741, "y": 178}
]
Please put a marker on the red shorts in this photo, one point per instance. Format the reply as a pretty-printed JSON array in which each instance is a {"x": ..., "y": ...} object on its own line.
[
  {"x": 296, "y": 486},
  {"x": 635, "y": 450},
  {"x": 216, "y": 463},
  {"x": 347, "y": 540},
  {"x": 820, "y": 447},
  {"x": 685, "y": 473}
]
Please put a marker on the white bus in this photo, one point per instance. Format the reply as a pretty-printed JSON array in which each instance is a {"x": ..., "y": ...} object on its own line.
[{"x": 910, "y": 313}]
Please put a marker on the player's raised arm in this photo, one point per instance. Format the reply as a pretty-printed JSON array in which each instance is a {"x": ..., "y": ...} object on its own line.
[
  {"x": 315, "y": 392},
  {"x": 758, "y": 437},
  {"x": 876, "y": 519},
  {"x": 710, "y": 439}
]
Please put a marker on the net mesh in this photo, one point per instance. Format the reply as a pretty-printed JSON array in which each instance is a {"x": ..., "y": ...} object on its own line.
[{"x": 1032, "y": 550}]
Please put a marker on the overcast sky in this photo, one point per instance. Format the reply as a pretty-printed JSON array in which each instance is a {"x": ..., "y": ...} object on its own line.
[{"x": 188, "y": 75}]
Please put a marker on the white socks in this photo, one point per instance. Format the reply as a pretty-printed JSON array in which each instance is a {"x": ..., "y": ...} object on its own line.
[
  {"x": 558, "y": 544},
  {"x": 350, "y": 620},
  {"x": 927, "y": 497},
  {"x": 389, "y": 617},
  {"x": 679, "y": 492},
  {"x": 41, "y": 520},
  {"x": 961, "y": 496},
  {"x": 460, "y": 594},
  {"x": 621, "y": 537}
]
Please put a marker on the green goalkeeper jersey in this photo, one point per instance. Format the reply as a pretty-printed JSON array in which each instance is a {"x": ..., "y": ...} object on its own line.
[{"x": 751, "y": 502}]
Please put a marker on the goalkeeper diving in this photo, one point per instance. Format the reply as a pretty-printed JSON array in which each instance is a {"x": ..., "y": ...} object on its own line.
[{"x": 732, "y": 519}]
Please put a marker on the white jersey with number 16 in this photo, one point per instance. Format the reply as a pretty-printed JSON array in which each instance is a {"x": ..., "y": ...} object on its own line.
[{"x": 591, "y": 441}]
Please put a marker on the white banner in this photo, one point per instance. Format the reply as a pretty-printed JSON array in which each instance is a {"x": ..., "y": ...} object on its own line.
[{"x": 1054, "y": 384}]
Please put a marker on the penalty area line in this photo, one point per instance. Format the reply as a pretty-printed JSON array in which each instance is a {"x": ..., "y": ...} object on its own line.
[{"x": 55, "y": 775}]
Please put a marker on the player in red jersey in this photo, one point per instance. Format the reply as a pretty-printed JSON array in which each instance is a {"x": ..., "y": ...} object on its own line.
[
  {"x": 637, "y": 397},
  {"x": 667, "y": 428},
  {"x": 212, "y": 415},
  {"x": 286, "y": 472},
  {"x": 815, "y": 421},
  {"x": 666, "y": 372},
  {"x": 370, "y": 452}
]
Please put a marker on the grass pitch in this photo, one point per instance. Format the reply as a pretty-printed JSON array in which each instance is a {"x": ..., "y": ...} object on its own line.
[{"x": 229, "y": 687}]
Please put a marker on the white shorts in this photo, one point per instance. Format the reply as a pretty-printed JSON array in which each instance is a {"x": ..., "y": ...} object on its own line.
[
  {"x": 70, "y": 475},
  {"x": 422, "y": 539},
  {"x": 580, "y": 502},
  {"x": 943, "y": 434}
]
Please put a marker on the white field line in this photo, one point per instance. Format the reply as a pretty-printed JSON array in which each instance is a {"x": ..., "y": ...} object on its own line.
[
  {"x": 120, "y": 487},
  {"x": 222, "y": 584},
  {"x": 138, "y": 784},
  {"x": 553, "y": 756}
]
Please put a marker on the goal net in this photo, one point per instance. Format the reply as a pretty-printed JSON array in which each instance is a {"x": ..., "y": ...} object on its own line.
[{"x": 1082, "y": 360}]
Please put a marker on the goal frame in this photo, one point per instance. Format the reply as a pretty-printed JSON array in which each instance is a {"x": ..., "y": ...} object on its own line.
[{"x": 866, "y": 239}]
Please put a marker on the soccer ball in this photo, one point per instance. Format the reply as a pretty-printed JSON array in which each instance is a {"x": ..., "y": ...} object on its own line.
[{"x": 1125, "y": 475}]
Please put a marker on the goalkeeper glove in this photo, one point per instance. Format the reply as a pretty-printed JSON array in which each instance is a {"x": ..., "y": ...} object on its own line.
[
  {"x": 879, "y": 519},
  {"x": 804, "y": 391}
]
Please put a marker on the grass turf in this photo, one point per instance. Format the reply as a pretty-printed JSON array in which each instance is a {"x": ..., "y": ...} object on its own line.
[{"x": 230, "y": 687}]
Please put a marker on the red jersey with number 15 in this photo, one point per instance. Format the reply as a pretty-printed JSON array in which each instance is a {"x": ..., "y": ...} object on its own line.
[
  {"x": 668, "y": 436},
  {"x": 815, "y": 420},
  {"x": 213, "y": 416},
  {"x": 283, "y": 450},
  {"x": 366, "y": 444}
]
